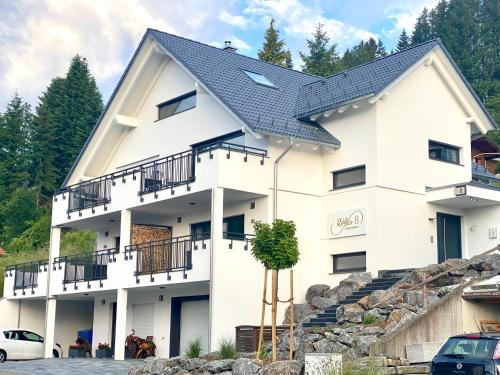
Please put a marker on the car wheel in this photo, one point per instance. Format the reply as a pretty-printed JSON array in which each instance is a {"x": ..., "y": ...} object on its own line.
[
  {"x": 3, "y": 356},
  {"x": 55, "y": 354}
]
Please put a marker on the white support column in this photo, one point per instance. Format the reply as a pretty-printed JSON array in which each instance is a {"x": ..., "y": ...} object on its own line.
[
  {"x": 125, "y": 228},
  {"x": 122, "y": 294},
  {"x": 51, "y": 302},
  {"x": 216, "y": 237},
  {"x": 121, "y": 324}
]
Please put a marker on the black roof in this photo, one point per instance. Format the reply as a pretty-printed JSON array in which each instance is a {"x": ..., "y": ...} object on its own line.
[
  {"x": 262, "y": 108},
  {"x": 286, "y": 108}
]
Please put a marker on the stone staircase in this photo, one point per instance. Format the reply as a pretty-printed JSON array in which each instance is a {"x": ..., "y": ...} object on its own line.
[{"x": 385, "y": 280}]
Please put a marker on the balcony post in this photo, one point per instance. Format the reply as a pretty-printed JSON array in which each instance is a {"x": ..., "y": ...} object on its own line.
[
  {"x": 121, "y": 323},
  {"x": 50, "y": 303},
  {"x": 216, "y": 257},
  {"x": 125, "y": 228}
]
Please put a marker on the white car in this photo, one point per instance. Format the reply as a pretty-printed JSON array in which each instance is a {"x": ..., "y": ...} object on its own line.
[{"x": 19, "y": 343}]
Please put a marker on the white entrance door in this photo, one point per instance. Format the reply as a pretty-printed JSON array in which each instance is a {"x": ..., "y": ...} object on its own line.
[
  {"x": 143, "y": 322},
  {"x": 194, "y": 323}
]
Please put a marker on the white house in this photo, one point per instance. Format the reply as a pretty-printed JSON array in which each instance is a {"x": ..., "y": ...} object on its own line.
[{"x": 197, "y": 143}]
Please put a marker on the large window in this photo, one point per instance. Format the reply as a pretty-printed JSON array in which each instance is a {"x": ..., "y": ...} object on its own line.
[
  {"x": 177, "y": 105},
  {"x": 444, "y": 152},
  {"x": 233, "y": 228},
  {"x": 349, "y": 177},
  {"x": 351, "y": 262}
]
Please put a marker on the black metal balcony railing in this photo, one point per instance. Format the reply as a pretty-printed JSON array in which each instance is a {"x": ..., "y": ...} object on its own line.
[
  {"x": 168, "y": 172},
  {"x": 233, "y": 236},
  {"x": 161, "y": 174},
  {"x": 86, "y": 267},
  {"x": 165, "y": 256},
  {"x": 26, "y": 275}
]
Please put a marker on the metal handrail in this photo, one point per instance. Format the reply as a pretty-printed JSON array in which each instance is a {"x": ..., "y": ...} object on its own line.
[
  {"x": 234, "y": 236},
  {"x": 96, "y": 261},
  {"x": 171, "y": 255},
  {"x": 20, "y": 270}
]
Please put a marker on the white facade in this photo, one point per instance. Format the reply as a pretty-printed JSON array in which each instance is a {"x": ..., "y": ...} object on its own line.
[{"x": 403, "y": 193}]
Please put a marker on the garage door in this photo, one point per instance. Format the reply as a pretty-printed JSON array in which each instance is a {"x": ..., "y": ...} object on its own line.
[
  {"x": 143, "y": 322},
  {"x": 194, "y": 323}
]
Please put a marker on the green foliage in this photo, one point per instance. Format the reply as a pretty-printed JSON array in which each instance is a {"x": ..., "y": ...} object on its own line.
[
  {"x": 362, "y": 53},
  {"x": 263, "y": 354},
  {"x": 78, "y": 241},
  {"x": 403, "y": 41},
  {"x": 227, "y": 349},
  {"x": 17, "y": 214},
  {"x": 276, "y": 246},
  {"x": 273, "y": 50},
  {"x": 354, "y": 368},
  {"x": 369, "y": 319},
  {"x": 321, "y": 59},
  {"x": 15, "y": 146},
  {"x": 193, "y": 348},
  {"x": 422, "y": 31}
]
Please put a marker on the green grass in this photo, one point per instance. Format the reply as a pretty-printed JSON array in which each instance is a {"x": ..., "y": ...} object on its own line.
[
  {"x": 193, "y": 348},
  {"x": 369, "y": 319},
  {"x": 227, "y": 349}
]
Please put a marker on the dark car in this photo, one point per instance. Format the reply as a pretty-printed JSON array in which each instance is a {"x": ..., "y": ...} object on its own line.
[{"x": 472, "y": 354}]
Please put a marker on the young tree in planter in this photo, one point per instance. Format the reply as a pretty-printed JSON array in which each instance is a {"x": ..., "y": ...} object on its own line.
[{"x": 276, "y": 247}]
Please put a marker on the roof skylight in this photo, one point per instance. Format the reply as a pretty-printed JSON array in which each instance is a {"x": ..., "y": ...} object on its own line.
[{"x": 259, "y": 78}]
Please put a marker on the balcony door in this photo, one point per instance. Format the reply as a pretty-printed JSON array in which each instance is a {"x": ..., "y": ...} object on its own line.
[
  {"x": 233, "y": 228},
  {"x": 449, "y": 237}
]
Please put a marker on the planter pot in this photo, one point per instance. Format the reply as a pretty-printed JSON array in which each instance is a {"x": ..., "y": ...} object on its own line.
[
  {"x": 76, "y": 353},
  {"x": 104, "y": 353}
]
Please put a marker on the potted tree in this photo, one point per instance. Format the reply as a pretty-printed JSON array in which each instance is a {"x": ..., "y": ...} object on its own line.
[
  {"x": 104, "y": 351},
  {"x": 276, "y": 247}
]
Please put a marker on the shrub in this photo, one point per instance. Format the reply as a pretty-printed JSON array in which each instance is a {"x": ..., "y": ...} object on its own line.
[
  {"x": 352, "y": 368},
  {"x": 193, "y": 348},
  {"x": 369, "y": 319},
  {"x": 263, "y": 354},
  {"x": 227, "y": 348},
  {"x": 77, "y": 241}
]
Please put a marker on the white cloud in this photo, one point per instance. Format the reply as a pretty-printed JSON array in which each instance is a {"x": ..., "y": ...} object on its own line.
[
  {"x": 404, "y": 15},
  {"x": 39, "y": 37},
  {"x": 237, "y": 21},
  {"x": 300, "y": 21}
]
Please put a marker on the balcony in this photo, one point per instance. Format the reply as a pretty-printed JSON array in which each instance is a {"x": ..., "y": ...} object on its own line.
[
  {"x": 24, "y": 278},
  {"x": 85, "y": 267},
  {"x": 219, "y": 164}
]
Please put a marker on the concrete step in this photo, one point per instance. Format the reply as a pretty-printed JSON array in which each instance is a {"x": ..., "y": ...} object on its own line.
[
  {"x": 323, "y": 320},
  {"x": 310, "y": 325}
]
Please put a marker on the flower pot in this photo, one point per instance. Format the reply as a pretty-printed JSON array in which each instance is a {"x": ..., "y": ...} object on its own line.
[
  {"x": 76, "y": 353},
  {"x": 104, "y": 353}
]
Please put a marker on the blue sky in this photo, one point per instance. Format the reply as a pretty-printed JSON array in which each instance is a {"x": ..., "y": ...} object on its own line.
[{"x": 39, "y": 37}]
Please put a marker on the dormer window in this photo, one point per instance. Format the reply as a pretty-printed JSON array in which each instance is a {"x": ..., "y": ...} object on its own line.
[
  {"x": 259, "y": 78},
  {"x": 177, "y": 105}
]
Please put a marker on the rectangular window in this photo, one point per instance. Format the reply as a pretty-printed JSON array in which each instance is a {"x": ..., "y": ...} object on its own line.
[
  {"x": 233, "y": 228},
  {"x": 351, "y": 262},
  {"x": 177, "y": 105},
  {"x": 444, "y": 152},
  {"x": 349, "y": 177}
]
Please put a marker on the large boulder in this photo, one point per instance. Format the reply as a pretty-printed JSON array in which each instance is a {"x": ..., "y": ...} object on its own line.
[
  {"x": 301, "y": 311},
  {"x": 283, "y": 368},
  {"x": 328, "y": 346},
  {"x": 350, "y": 313},
  {"x": 363, "y": 343},
  {"x": 324, "y": 302},
  {"x": 218, "y": 366},
  {"x": 303, "y": 348},
  {"x": 246, "y": 366},
  {"x": 153, "y": 365},
  {"x": 384, "y": 298},
  {"x": 353, "y": 283},
  {"x": 316, "y": 290}
]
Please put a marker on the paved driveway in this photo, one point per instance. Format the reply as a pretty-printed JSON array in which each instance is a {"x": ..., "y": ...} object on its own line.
[{"x": 67, "y": 366}]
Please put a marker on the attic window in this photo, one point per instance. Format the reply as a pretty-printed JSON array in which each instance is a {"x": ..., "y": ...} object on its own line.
[
  {"x": 259, "y": 78},
  {"x": 177, "y": 105}
]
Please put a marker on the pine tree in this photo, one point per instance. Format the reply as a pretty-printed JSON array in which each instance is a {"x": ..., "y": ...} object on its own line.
[
  {"x": 403, "y": 41},
  {"x": 362, "y": 53},
  {"x": 422, "y": 31},
  {"x": 15, "y": 146},
  {"x": 381, "y": 51},
  {"x": 47, "y": 140},
  {"x": 321, "y": 59},
  {"x": 273, "y": 50},
  {"x": 437, "y": 19},
  {"x": 83, "y": 106}
]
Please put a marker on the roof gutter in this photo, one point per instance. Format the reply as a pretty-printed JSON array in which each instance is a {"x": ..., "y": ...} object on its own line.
[{"x": 275, "y": 184}]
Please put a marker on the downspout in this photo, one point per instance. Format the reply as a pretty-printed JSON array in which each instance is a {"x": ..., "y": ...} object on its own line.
[{"x": 275, "y": 183}]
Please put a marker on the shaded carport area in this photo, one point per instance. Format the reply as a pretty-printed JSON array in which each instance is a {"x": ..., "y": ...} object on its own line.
[{"x": 482, "y": 307}]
